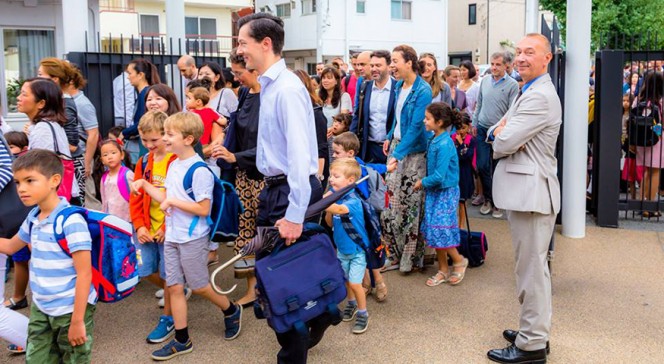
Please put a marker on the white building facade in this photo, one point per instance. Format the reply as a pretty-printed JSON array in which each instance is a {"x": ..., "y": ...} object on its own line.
[
  {"x": 35, "y": 29},
  {"x": 207, "y": 22},
  {"x": 319, "y": 30}
]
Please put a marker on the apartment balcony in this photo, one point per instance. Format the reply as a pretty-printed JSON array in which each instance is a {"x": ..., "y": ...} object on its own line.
[{"x": 124, "y": 6}]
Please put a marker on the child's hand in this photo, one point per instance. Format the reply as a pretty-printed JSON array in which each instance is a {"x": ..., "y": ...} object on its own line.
[
  {"x": 392, "y": 165},
  {"x": 166, "y": 206},
  {"x": 136, "y": 186},
  {"x": 386, "y": 147},
  {"x": 77, "y": 334},
  {"x": 144, "y": 236},
  {"x": 330, "y": 132},
  {"x": 418, "y": 185},
  {"x": 159, "y": 237}
]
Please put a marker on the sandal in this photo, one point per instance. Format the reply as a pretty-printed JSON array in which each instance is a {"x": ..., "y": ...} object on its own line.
[
  {"x": 434, "y": 281},
  {"x": 17, "y": 305},
  {"x": 381, "y": 292},
  {"x": 458, "y": 275},
  {"x": 367, "y": 289}
]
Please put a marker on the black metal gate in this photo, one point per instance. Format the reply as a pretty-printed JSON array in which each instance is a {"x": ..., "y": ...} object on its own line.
[
  {"x": 100, "y": 68},
  {"x": 619, "y": 60}
]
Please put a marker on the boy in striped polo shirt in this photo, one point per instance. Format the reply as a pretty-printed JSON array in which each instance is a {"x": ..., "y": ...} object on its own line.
[{"x": 61, "y": 316}]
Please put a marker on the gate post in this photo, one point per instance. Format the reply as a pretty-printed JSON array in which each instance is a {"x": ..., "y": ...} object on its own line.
[{"x": 606, "y": 149}]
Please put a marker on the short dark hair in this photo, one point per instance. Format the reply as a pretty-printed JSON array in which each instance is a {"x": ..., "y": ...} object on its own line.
[
  {"x": 500, "y": 55},
  {"x": 264, "y": 25},
  {"x": 470, "y": 67},
  {"x": 509, "y": 57},
  {"x": 17, "y": 138},
  {"x": 382, "y": 54},
  {"x": 43, "y": 161},
  {"x": 229, "y": 77},
  {"x": 236, "y": 58},
  {"x": 216, "y": 69}
]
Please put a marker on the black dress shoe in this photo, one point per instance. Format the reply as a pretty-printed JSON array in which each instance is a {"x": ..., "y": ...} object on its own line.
[
  {"x": 510, "y": 335},
  {"x": 514, "y": 355}
]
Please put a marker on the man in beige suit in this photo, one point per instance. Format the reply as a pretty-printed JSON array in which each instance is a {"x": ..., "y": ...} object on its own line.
[{"x": 525, "y": 184}]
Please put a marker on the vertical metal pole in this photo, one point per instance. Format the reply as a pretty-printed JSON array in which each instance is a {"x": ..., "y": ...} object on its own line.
[
  {"x": 576, "y": 118},
  {"x": 175, "y": 29},
  {"x": 487, "y": 31},
  {"x": 532, "y": 16}
]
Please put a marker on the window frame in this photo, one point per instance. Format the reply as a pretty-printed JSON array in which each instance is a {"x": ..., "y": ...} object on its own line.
[
  {"x": 15, "y": 116},
  {"x": 308, "y": 9},
  {"x": 472, "y": 14},
  {"x": 140, "y": 24},
  {"x": 401, "y": 8},
  {"x": 284, "y": 6},
  {"x": 364, "y": 7}
]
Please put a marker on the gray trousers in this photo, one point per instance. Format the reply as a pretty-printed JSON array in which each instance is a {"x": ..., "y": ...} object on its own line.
[{"x": 531, "y": 235}]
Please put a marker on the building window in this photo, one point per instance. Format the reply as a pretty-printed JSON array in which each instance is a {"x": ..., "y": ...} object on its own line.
[
  {"x": 116, "y": 5},
  {"x": 149, "y": 25},
  {"x": 23, "y": 49},
  {"x": 283, "y": 10},
  {"x": 401, "y": 10},
  {"x": 361, "y": 6},
  {"x": 201, "y": 34},
  {"x": 308, "y": 7},
  {"x": 472, "y": 14},
  {"x": 311, "y": 68}
]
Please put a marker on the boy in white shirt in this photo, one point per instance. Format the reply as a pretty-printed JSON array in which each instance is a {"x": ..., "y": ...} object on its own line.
[{"x": 185, "y": 252}]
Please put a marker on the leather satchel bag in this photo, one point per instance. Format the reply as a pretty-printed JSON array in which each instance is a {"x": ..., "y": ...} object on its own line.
[
  {"x": 12, "y": 211},
  {"x": 644, "y": 125}
]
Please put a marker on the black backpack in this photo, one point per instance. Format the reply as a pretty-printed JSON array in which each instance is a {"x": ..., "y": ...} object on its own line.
[{"x": 642, "y": 120}]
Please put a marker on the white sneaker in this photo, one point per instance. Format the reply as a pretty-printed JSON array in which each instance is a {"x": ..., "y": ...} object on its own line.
[
  {"x": 497, "y": 213},
  {"x": 159, "y": 293},
  {"x": 187, "y": 295},
  {"x": 486, "y": 208}
]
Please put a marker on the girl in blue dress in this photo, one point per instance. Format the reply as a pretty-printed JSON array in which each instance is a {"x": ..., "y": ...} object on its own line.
[{"x": 440, "y": 228}]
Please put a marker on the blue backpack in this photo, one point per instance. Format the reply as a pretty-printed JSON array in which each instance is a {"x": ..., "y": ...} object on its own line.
[
  {"x": 224, "y": 218},
  {"x": 114, "y": 264},
  {"x": 299, "y": 282},
  {"x": 375, "y": 252}
]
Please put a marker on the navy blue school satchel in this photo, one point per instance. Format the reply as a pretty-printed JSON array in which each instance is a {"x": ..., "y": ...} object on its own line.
[
  {"x": 473, "y": 246},
  {"x": 298, "y": 283}
]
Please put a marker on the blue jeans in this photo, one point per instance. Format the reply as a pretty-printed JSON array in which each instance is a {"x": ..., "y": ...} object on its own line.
[{"x": 485, "y": 165}]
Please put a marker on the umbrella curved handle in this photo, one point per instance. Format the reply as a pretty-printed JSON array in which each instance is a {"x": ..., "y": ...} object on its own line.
[{"x": 221, "y": 268}]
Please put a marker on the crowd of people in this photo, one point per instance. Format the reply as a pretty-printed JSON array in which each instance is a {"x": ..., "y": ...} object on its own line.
[
  {"x": 643, "y": 92},
  {"x": 284, "y": 139}
]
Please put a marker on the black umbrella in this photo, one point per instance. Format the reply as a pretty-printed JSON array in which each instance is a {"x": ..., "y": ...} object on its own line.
[{"x": 267, "y": 237}]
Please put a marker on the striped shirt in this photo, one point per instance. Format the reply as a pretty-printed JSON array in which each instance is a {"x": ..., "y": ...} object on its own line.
[
  {"x": 5, "y": 165},
  {"x": 52, "y": 273}
]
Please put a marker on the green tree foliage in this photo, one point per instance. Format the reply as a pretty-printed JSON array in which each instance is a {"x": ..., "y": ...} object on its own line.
[{"x": 622, "y": 18}]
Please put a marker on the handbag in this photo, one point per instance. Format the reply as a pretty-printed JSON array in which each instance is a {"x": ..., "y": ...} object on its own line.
[
  {"x": 230, "y": 138},
  {"x": 67, "y": 183},
  {"x": 13, "y": 211},
  {"x": 644, "y": 125}
]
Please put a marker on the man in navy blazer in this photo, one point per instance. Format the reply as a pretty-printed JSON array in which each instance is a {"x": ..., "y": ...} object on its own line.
[{"x": 373, "y": 113}]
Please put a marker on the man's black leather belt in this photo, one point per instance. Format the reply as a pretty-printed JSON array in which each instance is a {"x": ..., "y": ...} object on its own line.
[{"x": 275, "y": 180}]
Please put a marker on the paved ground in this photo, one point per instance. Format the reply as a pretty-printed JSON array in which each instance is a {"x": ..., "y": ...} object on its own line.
[{"x": 608, "y": 308}]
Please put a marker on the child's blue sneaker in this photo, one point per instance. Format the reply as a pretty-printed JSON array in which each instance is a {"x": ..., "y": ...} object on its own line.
[
  {"x": 349, "y": 312},
  {"x": 164, "y": 330},
  {"x": 233, "y": 324},
  {"x": 173, "y": 349}
]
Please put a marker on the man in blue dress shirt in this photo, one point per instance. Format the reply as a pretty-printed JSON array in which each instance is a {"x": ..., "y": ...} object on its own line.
[{"x": 286, "y": 154}]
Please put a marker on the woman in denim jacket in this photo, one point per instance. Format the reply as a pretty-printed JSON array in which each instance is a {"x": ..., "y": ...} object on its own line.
[{"x": 405, "y": 147}]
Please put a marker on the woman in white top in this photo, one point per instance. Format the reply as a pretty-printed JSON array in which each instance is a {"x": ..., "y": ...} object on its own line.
[
  {"x": 467, "y": 85},
  {"x": 41, "y": 100},
  {"x": 334, "y": 101},
  {"x": 222, "y": 100}
]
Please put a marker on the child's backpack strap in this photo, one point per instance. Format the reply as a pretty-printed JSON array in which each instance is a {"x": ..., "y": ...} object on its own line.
[
  {"x": 188, "y": 188},
  {"x": 123, "y": 183}
]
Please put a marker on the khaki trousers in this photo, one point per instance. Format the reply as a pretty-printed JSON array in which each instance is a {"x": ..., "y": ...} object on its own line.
[{"x": 531, "y": 235}]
